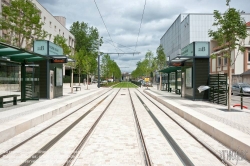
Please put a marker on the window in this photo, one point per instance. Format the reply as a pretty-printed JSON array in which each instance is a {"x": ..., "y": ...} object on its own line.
[
  {"x": 225, "y": 61},
  {"x": 248, "y": 56},
  {"x": 219, "y": 61},
  {"x": 50, "y": 24},
  {"x": 44, "y": 19}
]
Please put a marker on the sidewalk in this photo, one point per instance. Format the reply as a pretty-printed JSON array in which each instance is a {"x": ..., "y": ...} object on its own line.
[
  {"x": 230, "y": 128},
  {"x": 15, "y": 119}
]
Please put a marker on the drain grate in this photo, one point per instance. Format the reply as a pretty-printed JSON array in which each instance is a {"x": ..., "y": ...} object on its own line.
[{"x": 122, "y": 94}]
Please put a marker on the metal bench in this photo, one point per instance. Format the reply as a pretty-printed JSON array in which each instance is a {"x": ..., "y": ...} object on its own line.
[
  {"x": 8, "y": 96},
  {"x": 77, "y": 87}
]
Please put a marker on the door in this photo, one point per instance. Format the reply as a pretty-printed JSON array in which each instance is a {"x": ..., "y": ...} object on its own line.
[{"x": 51, "y": 84}]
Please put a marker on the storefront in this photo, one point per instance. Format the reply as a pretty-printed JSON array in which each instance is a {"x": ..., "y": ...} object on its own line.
[{"x": 190, "y": 70}]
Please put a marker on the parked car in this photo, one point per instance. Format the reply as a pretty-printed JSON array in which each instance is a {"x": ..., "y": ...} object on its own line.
[{"x": 237, "y": 87}]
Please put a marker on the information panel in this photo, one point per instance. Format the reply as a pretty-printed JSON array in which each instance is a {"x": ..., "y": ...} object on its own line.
[
  {"x": 189, "y": 77},
  {"x": 59, "y": 78}
]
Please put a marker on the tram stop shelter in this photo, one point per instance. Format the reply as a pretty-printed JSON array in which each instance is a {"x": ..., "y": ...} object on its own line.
[
  {"x": 189, "y": 70},
  {"x": 31, "y": 75}
]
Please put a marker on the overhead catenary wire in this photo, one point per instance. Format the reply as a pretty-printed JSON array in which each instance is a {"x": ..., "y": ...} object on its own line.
[
  {"x": 105, "y": 24},
  {"x": 108, "y": 40},
  {"x": 140, "y": 24}
]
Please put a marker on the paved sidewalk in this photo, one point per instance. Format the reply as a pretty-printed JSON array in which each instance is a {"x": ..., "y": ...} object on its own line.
[
  {"x": 236, "y": 118},
  {"x": 230, "y": 128},
  {"x": 15, "y": 119}
]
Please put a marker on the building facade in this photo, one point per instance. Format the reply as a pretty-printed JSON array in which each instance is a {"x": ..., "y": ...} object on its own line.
[
  {"x": 188, "y": 33},
  {"x": 54, "y": 25},
  {"x": 240, "y": 60},
  {"x": 188, "y": 28}
]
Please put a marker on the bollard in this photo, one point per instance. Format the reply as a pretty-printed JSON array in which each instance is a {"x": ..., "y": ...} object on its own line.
[{"x": 241, "y": 98}]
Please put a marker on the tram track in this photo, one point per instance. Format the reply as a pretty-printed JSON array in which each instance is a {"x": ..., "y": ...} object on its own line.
[
  {"x": 48, "y": 145},
  {"x": 215, "y": 154},
  {"x": 143, "y": 144},
  {"x": 51, "y": 125}
]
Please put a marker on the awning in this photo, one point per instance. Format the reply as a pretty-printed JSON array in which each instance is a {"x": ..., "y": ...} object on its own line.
[
  {"x": 170, "y": 69},
  {"x": 20, "y": 55}
]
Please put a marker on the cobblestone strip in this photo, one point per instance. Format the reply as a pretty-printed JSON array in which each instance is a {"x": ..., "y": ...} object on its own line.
[{"x": 114, "y": 141}]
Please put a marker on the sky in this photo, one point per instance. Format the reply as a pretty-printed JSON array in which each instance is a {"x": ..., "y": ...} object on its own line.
[{"x": 122, "y": 29}]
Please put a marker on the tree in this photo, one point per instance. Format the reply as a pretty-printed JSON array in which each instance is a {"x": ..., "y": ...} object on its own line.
[
  {"x": 61, "y": 41},
  {"x": 230, "y": 35},
  {"x": 85, "y": 63},
  {"x": 86, "y": 37},
  {"x": 161, "y": 60},
  {"x": 149, "y": 63},
  {"x": 21, "y": 23},
  {"x": 110, "y": 68}
]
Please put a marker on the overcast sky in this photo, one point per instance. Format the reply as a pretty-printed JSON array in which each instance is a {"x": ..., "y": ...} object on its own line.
[{"x": 123, "y": 18}]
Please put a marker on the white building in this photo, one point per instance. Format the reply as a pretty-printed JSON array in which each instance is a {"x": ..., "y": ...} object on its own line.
[
  {"x": 188, "y": 28},
  {"x": 54, "y": 25}
]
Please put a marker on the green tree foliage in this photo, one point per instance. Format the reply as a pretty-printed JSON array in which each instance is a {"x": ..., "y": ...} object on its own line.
[
  {"x": 146, "y": 67},
  {"x": 109, "y": 68},
  {"x": 21, "y": 22},
  {"x": 85, "y": 62},
  {"x": 62, "y": 42},
  {"x": 230, "y": 35},
  {"x": 161, "y": 60},
  {"x": 86, "y": 37}
]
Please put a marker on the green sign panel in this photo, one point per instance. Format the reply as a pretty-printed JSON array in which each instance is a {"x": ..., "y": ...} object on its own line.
[
  {"x": 55, "y": 49},
  {"x": 45, "y": 47},
  {"x": 201, "y": 49},
  {"x": 40, "y": 47},
  {"x": 188, "y": 50}
]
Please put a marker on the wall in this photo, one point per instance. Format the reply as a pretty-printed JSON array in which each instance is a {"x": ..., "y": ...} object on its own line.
[
  {"x": 53, "y": 26},
  {"x": 201, "y": 77}
]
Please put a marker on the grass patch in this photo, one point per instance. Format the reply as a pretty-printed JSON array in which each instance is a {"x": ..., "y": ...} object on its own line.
[
  {"x": 125, "y": 85},
  {"x": 108, "y": 84}
]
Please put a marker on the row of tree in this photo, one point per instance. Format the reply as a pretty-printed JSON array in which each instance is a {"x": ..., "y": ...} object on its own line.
[
  {"x": 150, "y": 64},
  {"x": 21, "y": 24}
]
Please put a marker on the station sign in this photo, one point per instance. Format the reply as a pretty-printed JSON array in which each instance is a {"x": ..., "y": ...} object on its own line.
[{"x": 58, "y": 60}]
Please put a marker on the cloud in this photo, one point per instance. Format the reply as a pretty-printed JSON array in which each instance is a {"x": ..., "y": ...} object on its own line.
[{"x": 123, "y": 18}]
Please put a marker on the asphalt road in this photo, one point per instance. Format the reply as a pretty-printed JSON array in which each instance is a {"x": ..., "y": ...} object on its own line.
[{"x": 236, "y": 100}]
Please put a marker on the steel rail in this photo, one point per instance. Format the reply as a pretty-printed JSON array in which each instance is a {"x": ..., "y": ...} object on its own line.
[
  {"x": 80, "y": 145},
  {"x": 145, "y": 151},
  {"x": 46, "y": 147},
  {"x": 192, "y": 135}
]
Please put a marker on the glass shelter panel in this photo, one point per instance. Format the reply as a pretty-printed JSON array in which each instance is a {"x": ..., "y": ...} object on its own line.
[{"x": 9, "y": 79}]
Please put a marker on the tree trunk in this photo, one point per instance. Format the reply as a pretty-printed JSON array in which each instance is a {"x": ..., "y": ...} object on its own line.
[
  {"x": 71, "y": 80},
  {"x": 87, "y": 81},
  {"x": 79, "y": 77},
  {"x": 229, "y": 83},
  {"x": 160, "y": 81}
]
